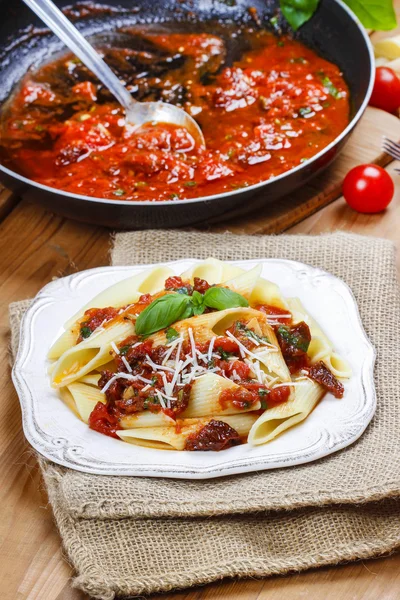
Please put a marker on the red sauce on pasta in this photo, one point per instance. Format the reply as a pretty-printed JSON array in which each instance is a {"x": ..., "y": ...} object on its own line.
[{"x": 265, "y": 105}]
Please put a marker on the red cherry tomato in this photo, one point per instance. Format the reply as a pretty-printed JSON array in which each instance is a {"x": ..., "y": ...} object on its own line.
[
  {"x": 368, "y": 188},
  {"x": 386, "y": 92}
]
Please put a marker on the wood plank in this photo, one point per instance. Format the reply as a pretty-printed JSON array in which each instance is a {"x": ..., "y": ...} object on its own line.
[
  {"x": 7, "y": 202},
  {"x": 30, "y": 553}
]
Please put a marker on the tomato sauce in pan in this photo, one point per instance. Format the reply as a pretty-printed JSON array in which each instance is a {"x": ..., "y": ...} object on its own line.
[{"x": 265, "y": 105}]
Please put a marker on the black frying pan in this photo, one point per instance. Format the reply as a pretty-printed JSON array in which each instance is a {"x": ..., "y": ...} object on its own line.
[{"x": 333, "y": 32}]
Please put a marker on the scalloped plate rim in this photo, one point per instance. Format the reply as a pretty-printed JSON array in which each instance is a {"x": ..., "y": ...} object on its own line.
[{"x": 223, "y": 467}]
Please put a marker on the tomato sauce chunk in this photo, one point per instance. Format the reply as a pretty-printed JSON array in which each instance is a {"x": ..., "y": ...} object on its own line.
[
  {"x": 275, "y": 314},
  {"x": 93, "y": 318},
  {"x": 294, "y": 342},
  {"x": 102, "y": 419},
  {"x": 216, "y": 435},
  {"x": 240, "y": 398},
  {"x": 322, "y": 375}
]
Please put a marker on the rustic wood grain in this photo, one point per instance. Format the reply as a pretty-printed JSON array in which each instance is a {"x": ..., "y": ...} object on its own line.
[
  {"x": 36, "y": 246},
  {"x": 7, "y": 202}
]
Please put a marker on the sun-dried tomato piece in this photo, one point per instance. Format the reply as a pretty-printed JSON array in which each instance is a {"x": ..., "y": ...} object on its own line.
[{"x": 322, "y": 375}]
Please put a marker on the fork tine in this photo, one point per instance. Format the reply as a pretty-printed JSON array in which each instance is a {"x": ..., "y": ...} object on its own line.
[
  {"x": 392, "y": 148},
  {"x": 393, "y": 143}
]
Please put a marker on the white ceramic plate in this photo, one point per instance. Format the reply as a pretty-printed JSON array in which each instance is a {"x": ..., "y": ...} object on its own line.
[{"x": 54, "y": 431}]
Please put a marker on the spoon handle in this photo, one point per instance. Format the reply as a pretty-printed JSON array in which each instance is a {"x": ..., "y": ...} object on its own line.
[{"x": 67, "y": 33}]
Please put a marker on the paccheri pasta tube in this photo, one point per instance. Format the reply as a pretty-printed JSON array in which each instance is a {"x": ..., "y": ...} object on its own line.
[{"x": 203, "y": 361}]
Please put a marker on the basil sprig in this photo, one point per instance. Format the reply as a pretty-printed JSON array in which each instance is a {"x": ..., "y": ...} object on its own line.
[
  {"x": 221, "y": 298},
  {"x": 372, "y": 14},
  {"x": 168, "y": 309},
  {"x": 161, "y": 313}
]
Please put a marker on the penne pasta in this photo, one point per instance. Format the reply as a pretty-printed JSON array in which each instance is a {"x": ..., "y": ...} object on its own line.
[
  {"x": 180, "y": 383},
  {"x": 123, "y": 293},
  {"x": 126, "y": 291},
  {"x": 91, "y": 379},
  {"x": 205, "y": 394},
  {"x": 245, "y": 282},
  {"x": 266, "y": 292},
  {"x": 212, "y": 270},
  {"x": 82, "y": 399},
  {"x": 89, "y": 354},
  {"x": 321, "y": 348},
  {"x": 146, "y": 419},
  {"x": 174, "y": 438},
  {"x": 278, "y": 419},
  {"x": 63, "y": 343}
]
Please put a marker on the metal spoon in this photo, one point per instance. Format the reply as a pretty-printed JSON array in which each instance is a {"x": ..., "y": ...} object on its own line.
[{"x": 137, "y": 113}]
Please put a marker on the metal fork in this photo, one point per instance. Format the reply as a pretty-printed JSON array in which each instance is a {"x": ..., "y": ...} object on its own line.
[{"x": 392, "y": 148}]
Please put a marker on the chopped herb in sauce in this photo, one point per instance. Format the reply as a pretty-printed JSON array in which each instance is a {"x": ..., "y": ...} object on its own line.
[
  {"x": 327, "y": 83},
  {"x": 171, "y": 334},
  {"x": 85, "y": 332},
  {"x": 124, "y": 350},
  {"x": 305, "y": 111}
]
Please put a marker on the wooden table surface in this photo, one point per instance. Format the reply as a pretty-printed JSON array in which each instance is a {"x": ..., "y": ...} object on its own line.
[{"x": 36, "y": 246}]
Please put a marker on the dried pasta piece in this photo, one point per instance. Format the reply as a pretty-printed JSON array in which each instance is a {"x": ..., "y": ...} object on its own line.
[
  {"x": 321, "y": 348},
  {"x": 82, "y": 398},
  {"x": 278, "y": 419},
  {"x": 174, "y": 438}
]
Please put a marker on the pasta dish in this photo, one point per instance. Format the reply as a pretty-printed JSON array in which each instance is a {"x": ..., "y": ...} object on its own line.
[{"x": 206, "y": 360}]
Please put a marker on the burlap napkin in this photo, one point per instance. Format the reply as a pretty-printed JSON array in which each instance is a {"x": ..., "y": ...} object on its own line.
[{"x": 129, "y": 536}]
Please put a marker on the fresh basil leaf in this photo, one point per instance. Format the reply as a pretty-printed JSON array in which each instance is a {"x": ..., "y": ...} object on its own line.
[
  {"x": 162, "y": 312},
  {"x": 85, "y": 332},
  {"x": 171, "y": 334},
  {"x": 189, "y": 310},
  {"x": 198, "y": 310},
  {"x": 298, "y": 12},
  {"x": 197, "y": 300},
  {"x": 374, "y": 15},
  {"x": 222, "y": 298}
]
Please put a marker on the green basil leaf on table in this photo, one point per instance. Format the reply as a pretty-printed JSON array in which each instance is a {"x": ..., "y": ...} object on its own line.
[
  {"x": 374, "y": 14},
  {"x": 162, "y": 312},
  {"x": 222, "y": 298}
]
